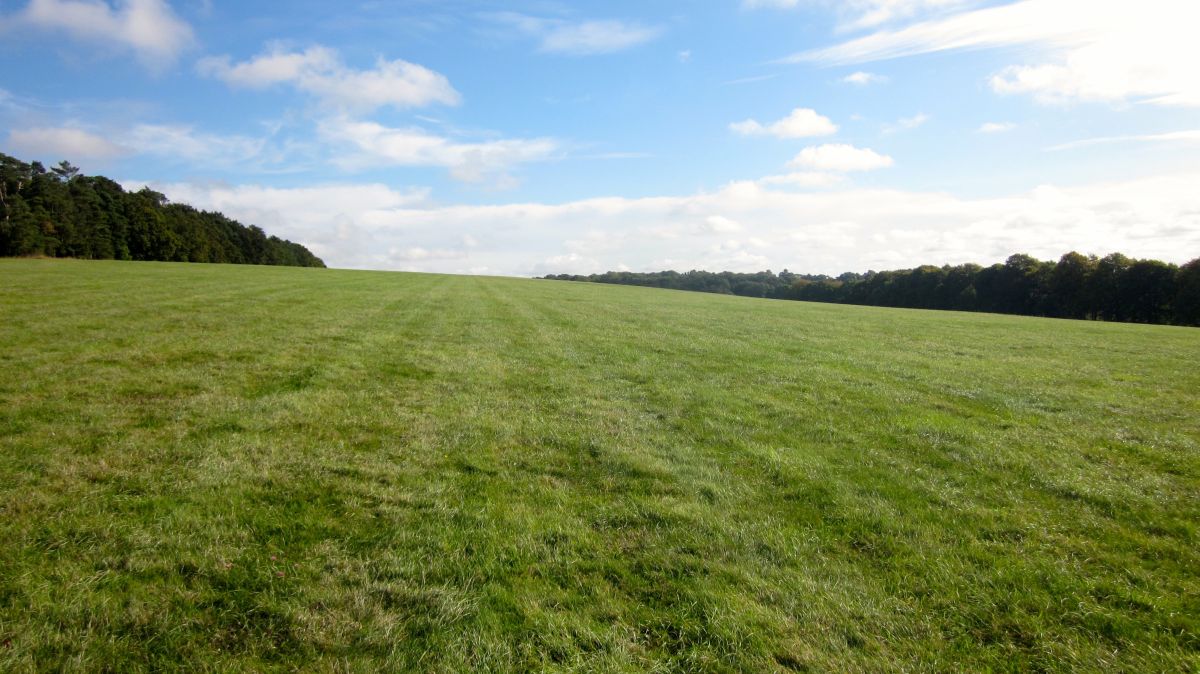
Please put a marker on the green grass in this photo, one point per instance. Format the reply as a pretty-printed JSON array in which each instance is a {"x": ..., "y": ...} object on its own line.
[{"x": 219, "y": 468}]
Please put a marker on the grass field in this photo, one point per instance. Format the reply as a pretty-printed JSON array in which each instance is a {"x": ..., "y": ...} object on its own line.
[{"x": 219, "y": 468}]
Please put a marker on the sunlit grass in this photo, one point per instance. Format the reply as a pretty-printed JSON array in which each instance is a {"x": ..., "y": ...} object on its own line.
[{"x": 246, "y": 468}]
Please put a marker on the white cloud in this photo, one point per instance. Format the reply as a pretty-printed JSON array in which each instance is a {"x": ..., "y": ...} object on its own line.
[
  {"x": 338, "y": 141},
  {"x": 1101, "y": 51},
  {"x": 1175, "y": 137},
  {"x": 373, "y": 226},
  {"x": 416, "y": 253},
  {"x": 579, "y": 38},
  {"x": 1021, "y": 23},
  {"x": 374, "y": 144},
  {"x": 148, "y": 27},
  {"x": 860, "y": 14},
  {"x": 840, "y": 158},
  {"x": 862, "y": 78},
  {"x": 719, "y": 224},
  {"x": 906, "y": 123},
  {"x": 274, "y": 151},
  {"x": 319, "y": 71},
  {"x": 596, "y": 37},
  {"x": 872, "y": 13},
  {"x": 569, "y": 263},
  {"x": 996, "y": 127},
  {"x": 336, "y": 222},
  {"x": 801, "y": 123},
  {"x": 182, "y": 142},
  {"x": 307, "y": 208},
  {"x": 806, "y": 179},
  {"x": 64, "y": 143}
]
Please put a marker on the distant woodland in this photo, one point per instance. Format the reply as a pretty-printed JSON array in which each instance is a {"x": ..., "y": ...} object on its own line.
[
  {"x": 1109, "y": 288},
  {"x": 61, "y": 213}
]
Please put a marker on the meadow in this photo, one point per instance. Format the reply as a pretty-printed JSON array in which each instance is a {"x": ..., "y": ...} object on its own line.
[{"x": 237, "y": 468}]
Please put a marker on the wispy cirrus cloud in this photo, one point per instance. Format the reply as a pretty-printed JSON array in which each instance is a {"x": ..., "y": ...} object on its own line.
[
  {"x": 1015, "y": 24},
  {"x": 862, "y": 14},
  {"x": 1187, "y": 136},
  {"x": 182, "y": 142},
  {"x": 149, "y": 28},
  {"x": 320, "y": 72},
  {"x": 996, "y": 127},
  {"x": 772, "y": 4},
  {"x": 1104, "y": 51},
  {"x": 906, "y": 123},
  {"x": 578, "y": 38}
]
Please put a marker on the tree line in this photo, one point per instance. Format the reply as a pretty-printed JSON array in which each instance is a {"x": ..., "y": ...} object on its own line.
[
  {"x": 1110, "y": 288},
  {"x": 62, "y": 213}
]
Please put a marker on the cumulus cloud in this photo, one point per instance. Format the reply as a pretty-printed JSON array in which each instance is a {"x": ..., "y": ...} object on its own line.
[
  {"x": 801, "y": 123},
  {"x": 839, "y": 158},
  {"x": 320, "y": 72},
  {"x": 147, "y": 27},
  {"x": 64, "y": 143},
  {"x": 373, "y": 144},
  {"x": 373, "y": 226},
  {"x": 579, "y": 38},
  {"x": 1104, "y": 51}
]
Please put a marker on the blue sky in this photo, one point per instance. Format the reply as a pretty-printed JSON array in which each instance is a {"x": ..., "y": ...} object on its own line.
[{"x": 525, "y": 138}]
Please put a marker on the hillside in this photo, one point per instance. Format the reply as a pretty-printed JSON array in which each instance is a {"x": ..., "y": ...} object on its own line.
[{"x": 252, "y": 468}]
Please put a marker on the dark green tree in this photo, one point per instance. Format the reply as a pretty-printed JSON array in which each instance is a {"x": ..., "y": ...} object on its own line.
[
  {"x": 65, "y": 171},
  {"x": 1186, "y": 304},
  {"x": 1147, "y": 289},
  {"x": 1104, "y": 288},
  {"x": 1067, "y": 291},
  {"x": 65, "y": 213},
  {"x": 1077, "y": 286}
]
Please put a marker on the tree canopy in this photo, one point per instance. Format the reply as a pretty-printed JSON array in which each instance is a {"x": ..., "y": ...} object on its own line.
[
  {"x": 1112, "y": 288},
  {"x": 62, "y": 213}
]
